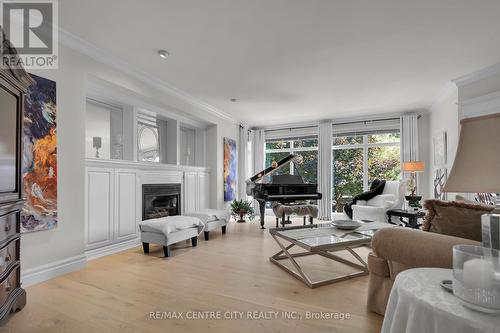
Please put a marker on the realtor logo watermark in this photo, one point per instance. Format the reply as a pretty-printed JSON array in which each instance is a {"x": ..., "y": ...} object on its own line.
[{"x": 31, "y": 26}]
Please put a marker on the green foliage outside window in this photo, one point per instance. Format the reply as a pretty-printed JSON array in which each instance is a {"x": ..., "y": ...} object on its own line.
[{"x": 383, "y": 162}]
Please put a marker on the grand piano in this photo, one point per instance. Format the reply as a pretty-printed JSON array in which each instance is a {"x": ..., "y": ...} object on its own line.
[{"x": 284, "y": 189}]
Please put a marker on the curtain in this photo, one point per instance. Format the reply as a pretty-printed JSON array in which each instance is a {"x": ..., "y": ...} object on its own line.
[
  {"x": 259, "y": 142},
  {"x": 325, "y": 170},
  {"x": 409, "y": 140},
  {"x": 258, "y": 155},
  {"x": 242, "y": 162},
  {"x": 409, "y": 137}
]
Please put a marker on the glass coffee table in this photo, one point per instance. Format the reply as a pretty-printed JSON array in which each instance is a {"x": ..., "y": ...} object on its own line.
[{"x": 323, "y": 239}]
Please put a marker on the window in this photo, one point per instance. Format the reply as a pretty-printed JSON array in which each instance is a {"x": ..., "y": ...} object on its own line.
[
  {"x": 307, "y": 148},
  {"x": 358, "y": 159}
]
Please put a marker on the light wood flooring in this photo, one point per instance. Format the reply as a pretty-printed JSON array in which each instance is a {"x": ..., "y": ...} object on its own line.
[{"x": 230, "y": 273}]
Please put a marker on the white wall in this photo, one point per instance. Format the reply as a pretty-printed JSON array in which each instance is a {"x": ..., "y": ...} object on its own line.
[
  {"x": 67, "y": 240},
  {"x": 72, "y": 77},
  {"x": 215, "y": 156},
  {"x": 424, "y": 139},
  {"x": 443, "y": 117}
]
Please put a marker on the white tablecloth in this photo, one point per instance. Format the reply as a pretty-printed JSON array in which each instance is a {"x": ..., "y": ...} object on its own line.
[{"x": 418, "y": 304}]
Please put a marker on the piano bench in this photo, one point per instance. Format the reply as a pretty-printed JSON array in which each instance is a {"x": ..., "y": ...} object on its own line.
[{"x": 281, "y": 211}]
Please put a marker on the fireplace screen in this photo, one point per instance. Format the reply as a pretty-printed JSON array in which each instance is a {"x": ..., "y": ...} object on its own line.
[{"x": 160, "y": 200}]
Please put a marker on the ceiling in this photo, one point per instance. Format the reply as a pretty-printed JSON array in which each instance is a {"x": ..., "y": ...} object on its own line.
[{"x": 293, "y": 61}]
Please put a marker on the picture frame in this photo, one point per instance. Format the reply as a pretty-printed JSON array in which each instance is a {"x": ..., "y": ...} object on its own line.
[{"x": 440, "y": 149}]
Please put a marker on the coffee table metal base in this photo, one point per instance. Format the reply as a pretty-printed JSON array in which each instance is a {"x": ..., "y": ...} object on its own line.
[{"x": 299, "y": 274}]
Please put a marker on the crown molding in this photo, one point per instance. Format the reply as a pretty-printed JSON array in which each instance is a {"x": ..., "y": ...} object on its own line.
[
  {"x": 81, "y": 45},
  {"x": 446, "y": 90},
  {"x": 477, "y": 75},
  {"x": 479, "y": 106}
]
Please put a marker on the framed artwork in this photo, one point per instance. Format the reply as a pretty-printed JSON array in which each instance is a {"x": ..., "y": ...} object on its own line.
[
  {"x": 440, "y": 149},
  {"x": 230, "y": 169},
  {"x": 40, "y": 157},
  {"x": 440, "y": 176}
]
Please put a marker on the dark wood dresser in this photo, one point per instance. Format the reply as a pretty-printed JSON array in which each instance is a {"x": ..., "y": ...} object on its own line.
[{"x": 13, "y": 85}]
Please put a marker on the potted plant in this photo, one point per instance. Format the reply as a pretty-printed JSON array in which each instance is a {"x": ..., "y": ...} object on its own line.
[{"x": 240, "y": 208}]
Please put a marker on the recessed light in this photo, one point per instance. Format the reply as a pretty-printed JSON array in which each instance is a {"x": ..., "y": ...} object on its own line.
[
  {"x": 233, "y": 100},
  {"x": 163, "y": 54}
]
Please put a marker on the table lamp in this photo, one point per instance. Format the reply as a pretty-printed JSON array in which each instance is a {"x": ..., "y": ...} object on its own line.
[
  {"x": 96, "y": 143},
  {"x": 413, "y": 167},
  {"x": 476, "y": 168}
]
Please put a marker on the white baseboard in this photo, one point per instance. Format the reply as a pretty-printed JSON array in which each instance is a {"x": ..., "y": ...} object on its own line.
[
  {"x": 57, "y": 268},
  {"x": 54, "y": 269},
  {"x": 111, "y": 249}
]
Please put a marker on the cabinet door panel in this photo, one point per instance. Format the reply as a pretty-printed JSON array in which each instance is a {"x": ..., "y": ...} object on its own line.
[
  {"x": 190, "y": 192},
  {"x": 99, "y": 209},
  {"x": 125, "y": 200},
  {"x": 203, "y": 191}
]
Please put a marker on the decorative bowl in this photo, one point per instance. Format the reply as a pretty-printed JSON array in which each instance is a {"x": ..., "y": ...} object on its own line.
[
  {"x": 347, "y": 224},
  {"x": 476, "y": 277}
]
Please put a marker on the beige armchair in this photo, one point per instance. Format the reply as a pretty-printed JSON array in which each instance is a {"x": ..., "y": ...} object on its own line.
[{"x": 398, "y": 249}]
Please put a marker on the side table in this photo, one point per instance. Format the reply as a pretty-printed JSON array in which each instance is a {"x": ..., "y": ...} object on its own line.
[
  {"x": 411, "y": 215},
  {"x": 419, "y": 304}
]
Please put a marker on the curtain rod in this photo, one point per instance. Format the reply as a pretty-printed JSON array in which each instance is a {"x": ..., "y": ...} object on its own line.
[
  {"x": 290, "y": 128},
  {"x": 333, "y": 123},
  {"x": 365, "y": 121}
]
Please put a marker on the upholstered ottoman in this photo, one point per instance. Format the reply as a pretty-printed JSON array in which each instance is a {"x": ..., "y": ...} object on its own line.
[
  {"x": 305, "y": 210},
  {"x": 168, "y": 230},
  {"x": 212, "y": 218}
]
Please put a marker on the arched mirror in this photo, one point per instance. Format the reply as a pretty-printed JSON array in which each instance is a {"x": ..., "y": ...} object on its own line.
[{"x": 148, "y": 144}]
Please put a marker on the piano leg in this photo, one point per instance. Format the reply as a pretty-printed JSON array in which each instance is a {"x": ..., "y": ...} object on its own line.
[{"x": 262, "y": 209}]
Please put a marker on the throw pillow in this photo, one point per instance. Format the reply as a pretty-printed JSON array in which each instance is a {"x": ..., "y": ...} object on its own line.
[{"x": 455, "y": 218}]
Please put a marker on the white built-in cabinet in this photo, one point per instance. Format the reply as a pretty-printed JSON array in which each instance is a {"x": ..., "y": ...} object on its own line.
[
  {"x": 196, "y": 191},
  {"x": 113, "y": 202},
  {"x": 111, "y": 206}
]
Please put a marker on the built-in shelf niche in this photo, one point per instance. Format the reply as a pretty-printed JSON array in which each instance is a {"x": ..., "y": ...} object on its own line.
[
  {"x": 191, "y": 145},
  {"x": 108, "y": 130},
  {"x": 125, "y": 132}
]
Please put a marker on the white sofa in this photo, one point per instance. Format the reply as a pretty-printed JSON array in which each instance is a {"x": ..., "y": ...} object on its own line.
[{"x": 376, "y": 209}]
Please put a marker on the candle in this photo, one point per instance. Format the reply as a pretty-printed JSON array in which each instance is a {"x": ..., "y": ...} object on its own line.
[{"x": 478, "y": 273}]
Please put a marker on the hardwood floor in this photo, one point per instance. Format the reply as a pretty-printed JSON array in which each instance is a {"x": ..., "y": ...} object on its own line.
[{"x": 230, "y": 273}]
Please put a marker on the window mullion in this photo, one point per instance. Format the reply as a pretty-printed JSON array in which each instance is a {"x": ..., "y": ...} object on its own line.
[{"x": 365, "y": 162}]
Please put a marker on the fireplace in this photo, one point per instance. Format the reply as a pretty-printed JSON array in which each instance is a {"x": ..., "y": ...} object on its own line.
[{"x": 160, "y": 200}]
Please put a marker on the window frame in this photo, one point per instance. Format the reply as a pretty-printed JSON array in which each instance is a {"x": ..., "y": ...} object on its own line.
[
  {"x": 290, "y": 150},
  {"x": 364, "y": 146}
]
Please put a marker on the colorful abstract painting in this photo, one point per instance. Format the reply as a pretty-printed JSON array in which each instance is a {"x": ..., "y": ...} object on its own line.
[
  {"x": 230, "y": 169},
  {"x": 40, "y": 157}
]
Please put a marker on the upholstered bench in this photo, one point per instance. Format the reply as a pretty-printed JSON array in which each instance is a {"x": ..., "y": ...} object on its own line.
[
  {"x": 212, "y": 218},
  {"x": 305, "y": 210},
  {"x": 168, "y": 230}
]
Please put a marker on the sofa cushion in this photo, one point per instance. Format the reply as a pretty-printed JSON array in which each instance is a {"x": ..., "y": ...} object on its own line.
[
  {"x": 455, "y": 218},
  {"x": 383, "y": 200}
]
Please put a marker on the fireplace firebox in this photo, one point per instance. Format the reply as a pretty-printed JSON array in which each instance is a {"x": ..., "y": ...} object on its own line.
[{"x": 160, "y": 200}]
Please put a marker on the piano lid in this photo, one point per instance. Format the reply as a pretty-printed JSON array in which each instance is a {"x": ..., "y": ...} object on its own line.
[{"x": 272, "y": 168}]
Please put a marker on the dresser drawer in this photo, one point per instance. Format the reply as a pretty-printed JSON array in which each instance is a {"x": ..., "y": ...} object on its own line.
[
  {"x": 8, "y": 255},
  {"x": 8, "y": 226},
  {"x": 9, "y": 284}
]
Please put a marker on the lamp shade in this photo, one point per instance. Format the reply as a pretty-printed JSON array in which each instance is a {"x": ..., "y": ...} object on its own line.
[
  {"x": 414, "y": 166},
  {"x": 476, "y": 168}
]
